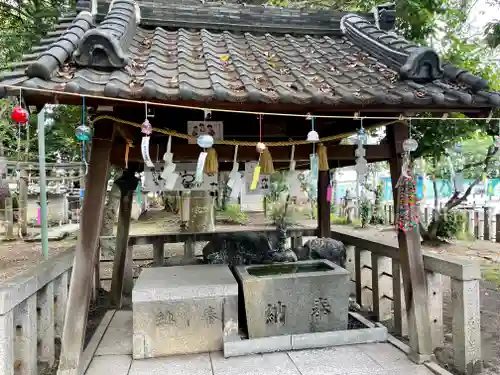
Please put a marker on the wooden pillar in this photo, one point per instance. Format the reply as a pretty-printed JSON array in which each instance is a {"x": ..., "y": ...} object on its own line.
[
  {"x": 127, "y": 184},
  {"x": 85, "y": 254},
  {"x": 412, "y": 263},
  {"x": 324, "y": 226}
]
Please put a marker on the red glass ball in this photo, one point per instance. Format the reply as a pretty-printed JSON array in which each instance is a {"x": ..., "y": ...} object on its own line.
[{"x": 20, "y": 115}]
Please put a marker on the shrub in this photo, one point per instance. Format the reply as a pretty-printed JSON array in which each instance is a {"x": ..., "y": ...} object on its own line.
[{"x": 234, "y": 215}]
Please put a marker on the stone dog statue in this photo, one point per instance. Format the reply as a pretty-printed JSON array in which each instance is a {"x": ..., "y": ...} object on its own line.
[
  {"x": 253, "y": 248},
  {"x": 243, "y": 248},
  {"x": 323, "y": 248}
]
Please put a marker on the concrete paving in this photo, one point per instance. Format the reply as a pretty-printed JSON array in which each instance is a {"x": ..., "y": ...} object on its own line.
[{"x": 113, "y": 356}]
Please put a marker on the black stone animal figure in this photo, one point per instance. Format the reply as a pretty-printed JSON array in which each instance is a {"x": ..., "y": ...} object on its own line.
[
  {"x": 241, "y": 248},
  {"x": 323, "y": 248}
]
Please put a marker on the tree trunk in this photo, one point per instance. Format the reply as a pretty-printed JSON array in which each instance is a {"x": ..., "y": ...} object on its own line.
[{"x": 108, "y": 221}]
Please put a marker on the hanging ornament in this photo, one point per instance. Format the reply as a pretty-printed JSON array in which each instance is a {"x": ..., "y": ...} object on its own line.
[
  {"x": 146, "y": 127},
  {"x": 313, "y": 135},
  {"x": 83, "y": 133},
  {"x": 20, "y": 115},
  {"x": 147, "y": 130},
  {"x": 408, "y": 215},
  {"x": 205, "y": 141},
  {"x": 168, "y": 174},
  {"x": 361, "y": 166},
  {"x": 293, "y": 181},
  {"x": 235, "y": 182},
  {"x": 260, "y": 149}
]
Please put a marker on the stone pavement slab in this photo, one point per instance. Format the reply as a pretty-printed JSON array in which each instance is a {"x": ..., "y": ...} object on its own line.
[
  {"x": 334, "y": 361},
  {"x": 261, "y": 364},
  {"x": 110, "y": 365},
  {"x": 116, "y": 341},
  {"x": 192, "y": 364},
  {"x": 386, "y": 355}
]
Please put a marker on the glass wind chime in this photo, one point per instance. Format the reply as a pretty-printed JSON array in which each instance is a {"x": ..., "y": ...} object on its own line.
[
  {"x": 83, "y": 133},
  {"x": 313, "y": 137},
  {"x": 407, "y": 218}
]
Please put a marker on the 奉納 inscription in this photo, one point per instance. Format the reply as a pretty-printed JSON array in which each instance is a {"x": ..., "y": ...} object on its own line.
[
  {"x": 275, "y": 313},
  {"x": 210, "y": 315},
  {"x": 165, "y": 318},
  {"x": 320, "y": 308}
]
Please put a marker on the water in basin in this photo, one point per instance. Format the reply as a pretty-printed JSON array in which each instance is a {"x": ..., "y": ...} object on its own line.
[{"x": 286, "y": 269}]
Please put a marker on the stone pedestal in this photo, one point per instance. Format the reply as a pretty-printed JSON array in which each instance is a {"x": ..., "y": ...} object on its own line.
[
  {"x": 293, "y": 298},
  {"x": 182, "y": 310}
]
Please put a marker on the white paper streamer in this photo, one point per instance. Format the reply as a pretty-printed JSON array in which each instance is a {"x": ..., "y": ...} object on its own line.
[
  {"x": 234, "y": 176},
  {"x": 236, "y": 188},
  {"x": 200, "y": 166},
  {"x": 145, "y": 152}
]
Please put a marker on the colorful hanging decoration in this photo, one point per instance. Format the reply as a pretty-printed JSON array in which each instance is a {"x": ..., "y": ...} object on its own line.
[
  {"x": 261, "y": 147},
  {"x": 408, "y": 216},
  {"x": 168, "y": 174},
  {"x": 83, "y": 133},
  {"x": 207, "y": 161},
  {"x": 20, "y": 115}
]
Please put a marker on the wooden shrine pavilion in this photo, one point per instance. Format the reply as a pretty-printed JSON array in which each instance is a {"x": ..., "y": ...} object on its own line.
[{"x": 239, "y": 61}]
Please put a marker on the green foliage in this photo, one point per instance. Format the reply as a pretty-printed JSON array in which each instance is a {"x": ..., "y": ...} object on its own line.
[
  {"x": 24, "y": 23},
  {"x": 276, "y": 212},
  {"x": 364, "y": 208},
  {"x": 234, "y": 215},
  {"x": 60, "y": 141},
  {"x": 451, "y": 224},
  {"x": 343, "y": 220}
]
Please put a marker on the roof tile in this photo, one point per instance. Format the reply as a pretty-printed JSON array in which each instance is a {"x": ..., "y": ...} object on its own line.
[{"x": 365, "y": 66}]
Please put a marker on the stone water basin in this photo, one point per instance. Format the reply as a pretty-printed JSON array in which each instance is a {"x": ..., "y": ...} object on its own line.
[{"x": 284, "y": 298}]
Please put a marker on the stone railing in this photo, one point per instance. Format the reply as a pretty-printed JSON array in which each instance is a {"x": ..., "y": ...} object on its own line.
[
  {"x": 372, "y": 265},
  {"x": 32, "y": 309}
]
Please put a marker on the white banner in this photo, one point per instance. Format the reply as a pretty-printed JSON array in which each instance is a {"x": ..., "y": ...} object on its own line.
[{"x": 153, "y": 181}]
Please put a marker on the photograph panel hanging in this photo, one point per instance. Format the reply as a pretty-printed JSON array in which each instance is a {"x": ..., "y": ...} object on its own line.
[
  {"x": 264, "y": 179},
  {"x": 197, "y": 128},
  {"x": 154, "y": 183}
]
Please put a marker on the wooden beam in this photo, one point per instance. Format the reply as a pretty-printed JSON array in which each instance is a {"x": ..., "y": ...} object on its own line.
[
  {"x": 324, "y": 225},
  {"x": 85, "y": 255},
  {"x": 225, "y": 153},
  {"x": 412, "y": 263},
  {"x": 127, "y": 184}
]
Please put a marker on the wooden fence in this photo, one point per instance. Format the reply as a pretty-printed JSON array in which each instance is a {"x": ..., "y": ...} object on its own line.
[
  {"x": 373, "y": 265},
  {"x": 32, "y": 309}
]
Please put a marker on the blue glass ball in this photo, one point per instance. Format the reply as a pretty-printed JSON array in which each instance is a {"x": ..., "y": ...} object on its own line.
[
  {"x": 205, "y": 141},
  {"x": 83, "y": 133}
]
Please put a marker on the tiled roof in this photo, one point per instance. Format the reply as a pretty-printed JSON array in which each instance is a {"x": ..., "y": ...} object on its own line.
[{"x": 357, "y": 66}]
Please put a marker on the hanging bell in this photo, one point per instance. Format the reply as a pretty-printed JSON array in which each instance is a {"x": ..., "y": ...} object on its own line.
[
  {"x": 313, "y": 136},
  {"x": 146, "y": 127},
  {"x": 20, "y": 115},
  {"x": 205, "y": 141},
  {"x": 410, "y": 145},
  {"x": 260, "y": 147},
  {"x": 83, "y": 133}
]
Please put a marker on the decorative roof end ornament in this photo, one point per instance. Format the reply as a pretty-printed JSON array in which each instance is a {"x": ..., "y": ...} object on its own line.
[
  {"x": 422, "y": 65},
  {"x": 385, "y": 16}
]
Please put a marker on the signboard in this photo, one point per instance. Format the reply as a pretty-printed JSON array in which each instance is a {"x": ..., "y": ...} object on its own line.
[
  {"x": 213, "y": 128},
  {"x": 264, "y": 179},
  {"x": 154, "y": 183}
]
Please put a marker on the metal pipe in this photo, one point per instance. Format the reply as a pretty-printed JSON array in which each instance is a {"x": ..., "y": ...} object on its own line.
[{"x": 43, "y": 183}]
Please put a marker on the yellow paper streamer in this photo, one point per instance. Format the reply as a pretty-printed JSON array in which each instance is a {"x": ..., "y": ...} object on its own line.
[{"x": 255, "y": 179}]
